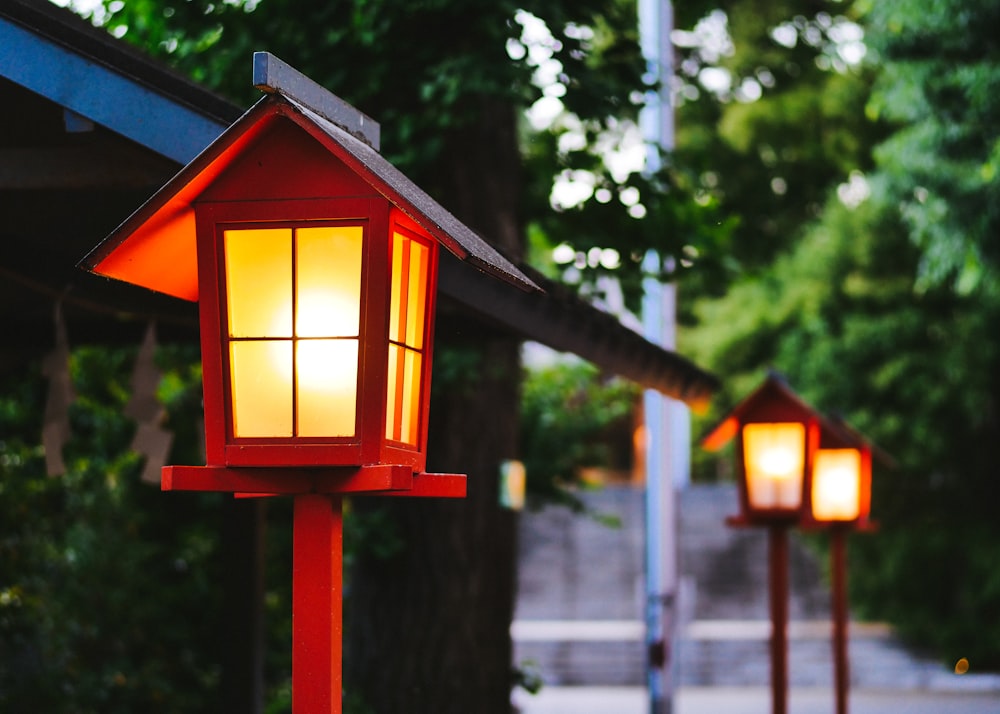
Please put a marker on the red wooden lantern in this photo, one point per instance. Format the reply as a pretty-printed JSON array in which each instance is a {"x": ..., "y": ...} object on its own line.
[
  {"x": 778, "y": 437},
  {"x": 841, "y": 479},
  {"x": 314, "y": 263}
]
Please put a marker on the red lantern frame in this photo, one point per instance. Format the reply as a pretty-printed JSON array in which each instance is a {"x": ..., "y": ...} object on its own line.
[{"x": 290, "y": 162}]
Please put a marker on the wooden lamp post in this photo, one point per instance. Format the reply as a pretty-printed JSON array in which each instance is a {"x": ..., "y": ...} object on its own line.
[
  {"x": 314, "y": 265},
  {"x": 777, "y": 436},
  {"x": 840, "y": 501}
]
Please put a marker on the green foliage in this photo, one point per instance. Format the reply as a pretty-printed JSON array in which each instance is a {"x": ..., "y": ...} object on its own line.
[
  {"x": 106, "y": 592},
  {"x": 941, "y": 68},
  {"x": 572, "y": 418},
  {"x": 789, "y": 128}
]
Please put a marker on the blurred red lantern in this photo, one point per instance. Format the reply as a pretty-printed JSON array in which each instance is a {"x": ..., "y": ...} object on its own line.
[{"x": 777, "y": 436}]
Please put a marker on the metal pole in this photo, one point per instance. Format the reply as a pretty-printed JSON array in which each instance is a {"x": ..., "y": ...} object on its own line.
[
  {"x": 317, "y": 605},
  {"x": 838, "y": 566},
  {"x": 778, "y": 562},
  {"x": 666, "y": 436}
]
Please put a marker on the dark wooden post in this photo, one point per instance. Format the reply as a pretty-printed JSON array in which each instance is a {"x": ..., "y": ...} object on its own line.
[
  {"x": 778, "y": 564},
  {"x": 838, "y": 566}
]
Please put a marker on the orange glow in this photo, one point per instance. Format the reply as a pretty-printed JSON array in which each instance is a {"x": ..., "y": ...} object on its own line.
[
  {"x": 774, "y": 458},
  {"x": 161, "y": 255},
  {"x": 836, "y": 489},
  {"x": 407, "y": 306}
]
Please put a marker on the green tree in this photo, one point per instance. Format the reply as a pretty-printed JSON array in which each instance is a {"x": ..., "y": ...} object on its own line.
[
  {"x": 939, "y": 65},
  {"x": 572, "y": 418},
  {"x": 770, "y": 118}
]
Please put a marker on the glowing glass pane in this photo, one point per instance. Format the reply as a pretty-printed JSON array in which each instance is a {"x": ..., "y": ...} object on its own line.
[
  {"x": 407, "y": 324},
  {"x": 836, "y": 488},
  {"x": 774, "y": 458},
  {"x": 397, "y": 305},
  {"x": 327, "y": 384},
  {"x": 417, "y": 298},
  {"x": 328, "y": 281},
  {"x": 392, "y": 398},
  {"x": 403, "y": 396},
  {"x": 259, "y": 282},
  {"x": 261, "y": 385},
  {"x": 410, "y": 423}
]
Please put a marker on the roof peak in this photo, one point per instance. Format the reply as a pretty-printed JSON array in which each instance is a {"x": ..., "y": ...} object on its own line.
[{"x": 273, "y": 76}]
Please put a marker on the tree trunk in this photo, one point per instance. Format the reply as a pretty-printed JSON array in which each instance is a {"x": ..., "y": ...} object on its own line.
[{"x": 428, "y": 628}]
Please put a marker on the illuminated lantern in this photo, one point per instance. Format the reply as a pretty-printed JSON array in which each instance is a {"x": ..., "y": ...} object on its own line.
[
  {"x": 314, "y": 264},
  {"x": 841, "y": 479},
  {"x": 776, "y": 440}
]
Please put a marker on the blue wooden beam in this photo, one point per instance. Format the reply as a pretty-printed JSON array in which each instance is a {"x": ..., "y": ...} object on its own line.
[{"x": 104, "y": 96}]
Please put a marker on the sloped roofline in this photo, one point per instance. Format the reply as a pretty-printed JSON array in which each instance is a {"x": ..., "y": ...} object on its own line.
[{"x": 169, "y": 213}]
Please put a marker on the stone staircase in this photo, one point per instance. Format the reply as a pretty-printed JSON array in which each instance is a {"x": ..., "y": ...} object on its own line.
[{"x": 581, "y": 600}]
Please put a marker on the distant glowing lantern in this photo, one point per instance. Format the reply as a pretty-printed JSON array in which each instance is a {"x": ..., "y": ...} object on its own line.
[
  {"x": 777, "y": 439},
  {"x": 841, "y": 478},
  {"x": 797, "y": 469}
]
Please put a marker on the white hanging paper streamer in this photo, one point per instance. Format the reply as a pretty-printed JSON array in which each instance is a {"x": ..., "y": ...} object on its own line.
[
  {"x": 56, "y": 427},
  {"x": 151, "y": 440}
]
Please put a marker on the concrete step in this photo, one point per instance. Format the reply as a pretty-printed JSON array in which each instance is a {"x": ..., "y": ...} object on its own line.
[
  {"x": 715, "y": 653},
  {"x": 581, "y": 599}
]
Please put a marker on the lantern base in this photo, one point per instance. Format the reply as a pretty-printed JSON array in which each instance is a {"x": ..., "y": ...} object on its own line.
[
  {"x": 775, "y": 518},
  {"x": 380, "y": 479}
]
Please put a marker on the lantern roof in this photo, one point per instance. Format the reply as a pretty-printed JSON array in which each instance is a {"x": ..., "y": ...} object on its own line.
[
  {"x": 836, "y": 433},
  {"x": 772, "y": 400},
  {"x": 155, "y": 246},
  {"x": 773, "y": 396}
]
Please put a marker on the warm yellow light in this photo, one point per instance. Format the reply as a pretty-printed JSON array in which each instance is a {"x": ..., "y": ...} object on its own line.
[
  {"x": 328, "y": 281},
  {"x": 262, "y": 388},
  {"x": 259, "y": 282},
  {"x": 407, "y": 307},
  {"x": 774, "y": 458},
  {"x": 836, "y": 488},
  {"x": 294, "y": 310},
  {"x": 327, "y": 387}
]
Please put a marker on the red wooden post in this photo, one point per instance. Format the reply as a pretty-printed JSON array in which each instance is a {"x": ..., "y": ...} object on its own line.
[
  {"x": 317, "y": 594},
  {"x": 778, "y": 562},
  {"x": 838, "y": 566}
]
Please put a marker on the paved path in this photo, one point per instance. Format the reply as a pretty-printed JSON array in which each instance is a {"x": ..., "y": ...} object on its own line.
[
  {"x": 756, "y": 700},
  {"x": 581, "y": 597}
]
